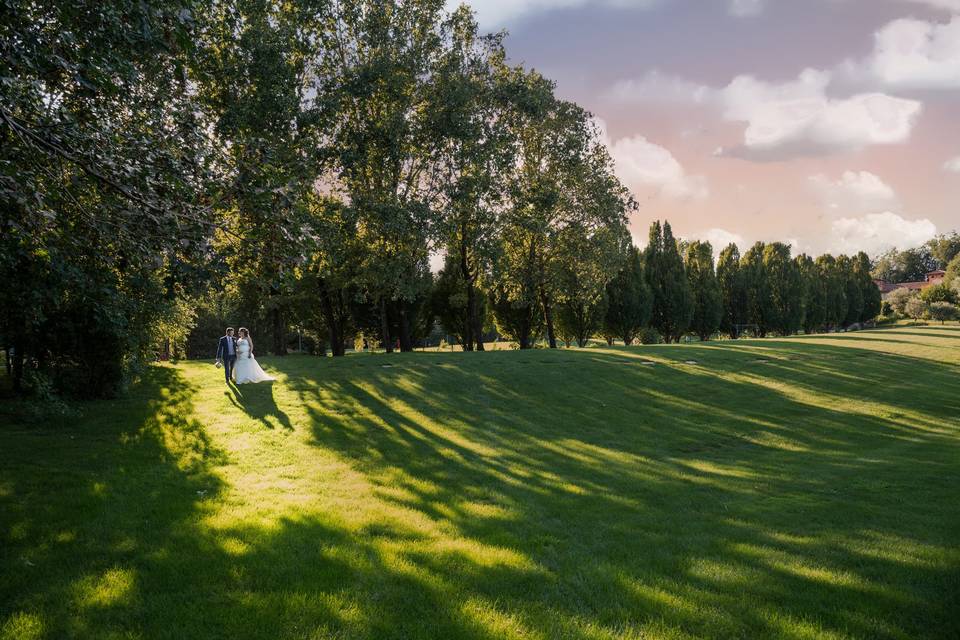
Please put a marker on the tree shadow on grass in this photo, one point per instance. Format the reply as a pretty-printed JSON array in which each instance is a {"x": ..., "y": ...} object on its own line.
[
  {"x": 717, "y": 505},
  {"x": 96, "y": 513}
]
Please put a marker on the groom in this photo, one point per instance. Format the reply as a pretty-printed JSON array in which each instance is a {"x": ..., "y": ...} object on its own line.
[{"x": 227, "y": 353}]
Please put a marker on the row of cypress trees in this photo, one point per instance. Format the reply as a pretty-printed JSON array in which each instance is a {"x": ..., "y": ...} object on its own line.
[{"x": 676, "y": 288}]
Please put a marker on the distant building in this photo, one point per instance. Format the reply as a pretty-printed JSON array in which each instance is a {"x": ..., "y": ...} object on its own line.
[{"x": 932, "y": 278}]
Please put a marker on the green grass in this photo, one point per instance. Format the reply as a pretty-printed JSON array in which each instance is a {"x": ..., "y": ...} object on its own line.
[{"x": 794, "y": 488}]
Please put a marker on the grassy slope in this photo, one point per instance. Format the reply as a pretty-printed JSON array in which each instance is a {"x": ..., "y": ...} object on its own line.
[{"x": 579, "y": 494}]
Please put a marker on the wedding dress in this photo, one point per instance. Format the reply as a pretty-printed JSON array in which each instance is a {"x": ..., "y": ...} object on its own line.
[{"x": 247, "y": 369}]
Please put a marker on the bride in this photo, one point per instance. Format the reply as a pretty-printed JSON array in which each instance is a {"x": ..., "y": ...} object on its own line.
[{"x": 247, "y": 369}]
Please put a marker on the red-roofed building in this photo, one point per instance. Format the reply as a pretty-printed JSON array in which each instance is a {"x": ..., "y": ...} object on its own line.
[{"x": 932, "y": 278}]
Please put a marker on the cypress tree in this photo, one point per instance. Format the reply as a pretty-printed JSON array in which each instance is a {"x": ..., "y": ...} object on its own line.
[
  {"x": 663, "y": 268},
  {"x": 868, "y": 289},
  {"x": 814, "y": 293},
  {"x": 785, "y": 289},
  {"x": 834, "y": 287},
  {"x": 757, "y": 288},
  {"x": 705, "y": 290},
  {"x": 852, "y": 289},
  {"x": 732, "y": 292}
]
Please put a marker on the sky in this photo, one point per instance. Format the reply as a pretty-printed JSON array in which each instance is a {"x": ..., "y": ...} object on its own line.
[{"x": 833, "y": 125}]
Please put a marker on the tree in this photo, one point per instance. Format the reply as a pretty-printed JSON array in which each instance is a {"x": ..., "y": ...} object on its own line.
[
  {"x": 253, "y": 70},
  {"x": 586, "y": 263},
  {"x": 732, "y": 291},
  {"x": 939, "y": 293},
  {"x": 942, "y": 311},
  {"x": 519, "y": 320},
  {"x": 910, "y": 265},
  {"x": 563, "y": 179},
  {"x": 814, "y": 293},
  {"x": 375, "y": 67},
  {"x": 707, "y": 298},
  {"x": 756, "y": 285},
  {"x": 628, "y": 301},
  {"x": 672, "y": 308},
  {"x": 869, "y": 291},
  {"x": 475, "y": 161},
  {"x": 785, "y": 289},
  {"x": 852, "y": 290},
  {"x": 952, "y": 271},
  {"x": 834, "y": 290},
  {"x": 944, "y": 248}
]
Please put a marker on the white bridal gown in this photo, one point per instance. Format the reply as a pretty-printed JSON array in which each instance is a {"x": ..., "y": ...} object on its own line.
[{"x": 247, "y": 369}]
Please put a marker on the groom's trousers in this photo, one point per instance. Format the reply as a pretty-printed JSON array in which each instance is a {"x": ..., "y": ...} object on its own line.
[{"x": 228, "y": 362}]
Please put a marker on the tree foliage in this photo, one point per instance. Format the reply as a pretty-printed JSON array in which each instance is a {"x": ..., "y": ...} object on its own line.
[{"x": 705, "y": 289}]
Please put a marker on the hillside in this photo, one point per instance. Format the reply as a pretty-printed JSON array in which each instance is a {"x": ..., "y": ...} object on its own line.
[{"x": 797, "y": 488}]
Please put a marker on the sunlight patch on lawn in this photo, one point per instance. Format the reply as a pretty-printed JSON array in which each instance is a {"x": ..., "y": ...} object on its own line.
[
  {"x": 23, "y": 626},
  {"x": 113, "y": 587}
]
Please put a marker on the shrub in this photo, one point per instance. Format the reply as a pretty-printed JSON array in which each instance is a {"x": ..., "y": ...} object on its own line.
[
  {"x": 916, "y": 308},
  {"x": 898, "y": 299},
  {"x": 649, "y": 335}
]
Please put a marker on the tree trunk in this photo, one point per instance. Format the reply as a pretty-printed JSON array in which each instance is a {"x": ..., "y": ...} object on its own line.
[
  {"x": 548, "y": 318},
  {"x": 333, "y": 319},
  {"x": 6, "y": 351},
  {"x": 610, "y": 341},
  {"x": 406, "y": 344},
  {"x": 385, "y": 326},
  {"x": 279, "y": 334},
  {"x": 627, "y": 339},
  {"x": 18, "y": 366},
  {"x": 478, "y": 328}
]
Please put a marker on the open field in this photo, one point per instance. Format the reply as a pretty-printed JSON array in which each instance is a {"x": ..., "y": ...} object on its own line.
[{"x": 790, "y": 488}]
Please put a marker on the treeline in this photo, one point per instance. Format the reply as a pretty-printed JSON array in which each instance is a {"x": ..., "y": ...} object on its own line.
[{"x": 295, "y": 164}]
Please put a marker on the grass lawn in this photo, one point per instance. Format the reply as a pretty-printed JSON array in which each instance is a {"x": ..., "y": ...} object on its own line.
[{"x": 787, "y": 488}]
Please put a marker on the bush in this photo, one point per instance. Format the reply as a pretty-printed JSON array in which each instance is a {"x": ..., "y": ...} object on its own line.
[
  {"x": 898, "y": 299},
  {"x": 916, "y": 308},
  {"x": 649, "y": 335}
]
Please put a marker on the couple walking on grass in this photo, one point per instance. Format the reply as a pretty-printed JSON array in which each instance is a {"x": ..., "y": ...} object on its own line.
[{"x": 236, "y": 357}]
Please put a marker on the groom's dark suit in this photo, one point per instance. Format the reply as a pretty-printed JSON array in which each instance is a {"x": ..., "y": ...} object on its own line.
[{"x": 227, "y": 352}]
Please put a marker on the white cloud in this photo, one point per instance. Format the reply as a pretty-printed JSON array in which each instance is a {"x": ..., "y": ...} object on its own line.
[
  {"x": 878, "y": 232},
  {"x": 720, "y": 238},
  {"x": 796, "y": 118},
  {"x": 494, "y": 14},
  {"x": 643, "y": 164},
  {"x": 744, "y": 8},
  {"x": 913, "y": 54},
  {"x": 789, "y": 119},
  {"x": 854, "y": 192},
  {"x": 952, "y": 165}
]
